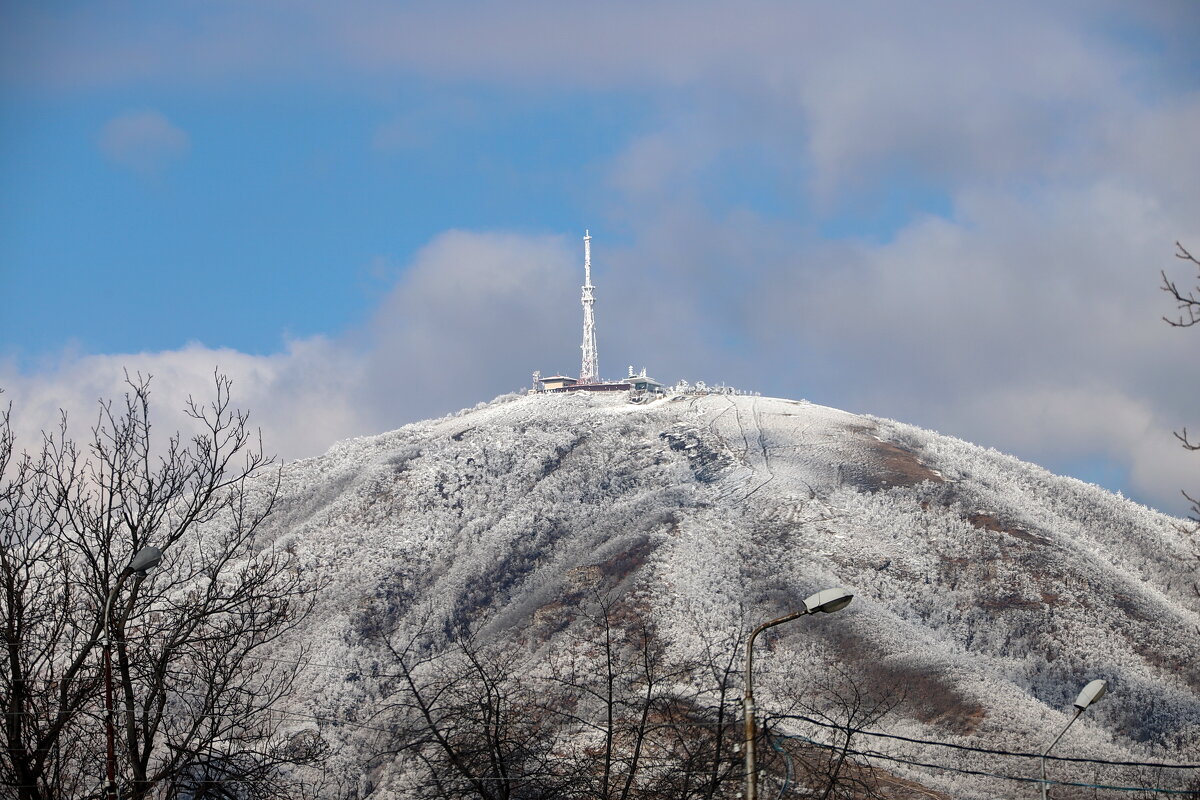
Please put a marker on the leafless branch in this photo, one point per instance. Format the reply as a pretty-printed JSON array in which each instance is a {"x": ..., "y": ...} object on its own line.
[
  {"x": 1187, "y": 301},
  {"x": 195, "y": 700}
]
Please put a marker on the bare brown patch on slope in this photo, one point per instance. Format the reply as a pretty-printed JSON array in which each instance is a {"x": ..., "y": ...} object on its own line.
[
  {"x": 589, "y": 580},
  {"x": 989, "y": 522},
  {"x": 1009, "y": 602},
  {"x": 626, "y": 562},
  {"x": 926, "y": 697},
  {"x": 888, "y": 464}
]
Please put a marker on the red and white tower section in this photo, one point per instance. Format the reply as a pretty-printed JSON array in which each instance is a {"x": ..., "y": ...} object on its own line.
[{"x": 589, "y": 368}]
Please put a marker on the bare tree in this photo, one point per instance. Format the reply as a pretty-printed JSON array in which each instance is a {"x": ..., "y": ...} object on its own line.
[
  {"x": 611, "y": 713},
  {"x": 700, "y": 727},
  {"x": 830, "y": 766},
  {"x": 702, "y": 730},
  {"x": 467, "y": 716},
  {"x": 618, "y": 692},
  {"x": 1187, "y": 303},
  {"x": 192, "y": 693}
]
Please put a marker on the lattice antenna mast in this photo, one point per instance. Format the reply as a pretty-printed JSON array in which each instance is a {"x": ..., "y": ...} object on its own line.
[{"x": 589, "y": 369}]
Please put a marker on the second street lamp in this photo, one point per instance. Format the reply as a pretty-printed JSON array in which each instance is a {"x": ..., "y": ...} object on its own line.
[
  {"x": 145, "y": 559},
  {"x": 1090, "y": 694},
  {"x": 824, "y": 601}
]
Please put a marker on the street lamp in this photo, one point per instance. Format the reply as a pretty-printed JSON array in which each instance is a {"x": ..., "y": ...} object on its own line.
[
  {"x": 1090, "y": 694},
  {"x": 824, "y": 601},
  {"x": 143, "y": 561}
]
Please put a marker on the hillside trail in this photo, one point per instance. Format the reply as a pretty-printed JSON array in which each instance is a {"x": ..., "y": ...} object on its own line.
[
  {"x": 743, "y": 436},
  {"x": 773, "y": 446}
]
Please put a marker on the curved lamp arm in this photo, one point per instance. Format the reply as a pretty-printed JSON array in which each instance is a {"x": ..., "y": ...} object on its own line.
[
  {"x": 824, "y": 601},
  {"x": 145, "y": 559},
  {"x": 1090, "y": 694}
]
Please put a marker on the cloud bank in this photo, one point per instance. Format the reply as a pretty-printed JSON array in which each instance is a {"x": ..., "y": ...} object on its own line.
[
  {"x": 476, "y": 312},
  {"x": 1026, "y": 169},
  {"x": 467, "y": 321},
  {"x": 144, "y": 141}
]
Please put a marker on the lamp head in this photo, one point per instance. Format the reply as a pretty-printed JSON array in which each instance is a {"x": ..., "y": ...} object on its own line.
[
  {"x": 828, "y": 600},
  {"x": 1091, "y": 693},
  {"x": 146, "y": 559}
]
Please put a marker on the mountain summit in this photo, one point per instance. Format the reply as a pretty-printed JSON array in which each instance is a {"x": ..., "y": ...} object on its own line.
[{"x": 987, "y": 590}]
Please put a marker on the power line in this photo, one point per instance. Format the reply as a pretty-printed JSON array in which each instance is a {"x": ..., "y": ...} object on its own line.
[
  {"x": 987, "y": 750},
  {"x": 810, "y": 720},
  {"x": 339, "y": 667},
  {"x": 982, "y": 773},
  {"x": 300, "y": 714},
  {"x": 969, "y": 748},
  {"x": 873, "y": 754}
]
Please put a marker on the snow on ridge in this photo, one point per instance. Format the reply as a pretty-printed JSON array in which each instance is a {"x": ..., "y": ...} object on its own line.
[{"x": 992, "y": 584}]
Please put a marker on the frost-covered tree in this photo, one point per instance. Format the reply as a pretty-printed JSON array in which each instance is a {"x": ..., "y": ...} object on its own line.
[
  {"x": 192, "y": 695},
  {"x": 1187, "y": 305}
]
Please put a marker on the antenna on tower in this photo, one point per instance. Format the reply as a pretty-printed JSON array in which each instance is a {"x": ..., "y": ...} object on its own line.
[{"x": 589, "y": 368}]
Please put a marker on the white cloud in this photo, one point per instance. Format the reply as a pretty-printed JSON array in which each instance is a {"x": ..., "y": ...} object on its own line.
[
  {"x": 1027, "y": 320},
  {"x": 300, "y": 398},
  {"x": 1031, "y": 324},
  {"x": 473, "y": 315},
  {"x": 421, "y": 125},
  {"x": 144, "y": 141},
  {"x": 1064, "y": 426},
  {"x": 938, "y": 328}
]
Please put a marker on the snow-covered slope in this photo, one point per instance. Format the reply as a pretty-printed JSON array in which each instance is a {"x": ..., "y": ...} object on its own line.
[{"x": 987, "y": 589}]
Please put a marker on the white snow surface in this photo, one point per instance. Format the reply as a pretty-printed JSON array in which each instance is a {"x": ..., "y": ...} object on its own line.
[{"x": 989, "y": 588}]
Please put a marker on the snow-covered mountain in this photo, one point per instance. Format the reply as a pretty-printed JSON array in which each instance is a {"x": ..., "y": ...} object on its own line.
[{"x": 987, "y": 590}]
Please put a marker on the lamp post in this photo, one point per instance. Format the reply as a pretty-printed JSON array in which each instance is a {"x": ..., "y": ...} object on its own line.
[
  {"x": 1090, "y": 694},
  {"x": 824, "y": 601},
  {"x": 143, "y": 561}
]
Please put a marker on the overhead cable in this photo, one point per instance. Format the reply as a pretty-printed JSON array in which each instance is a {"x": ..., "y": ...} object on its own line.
[
  {"x": 988, "y": 750},
  {"x": 963, "y": 771}
]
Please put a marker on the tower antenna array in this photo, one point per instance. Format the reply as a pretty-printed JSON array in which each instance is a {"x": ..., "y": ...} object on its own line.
[{"x": 589, "y": 369}]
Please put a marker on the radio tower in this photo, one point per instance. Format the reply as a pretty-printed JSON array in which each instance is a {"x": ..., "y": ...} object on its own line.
[{"x": 589, "y": 369}]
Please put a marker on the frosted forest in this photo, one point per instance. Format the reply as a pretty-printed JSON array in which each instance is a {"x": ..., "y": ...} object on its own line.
[{"x": 548, "y": 596}]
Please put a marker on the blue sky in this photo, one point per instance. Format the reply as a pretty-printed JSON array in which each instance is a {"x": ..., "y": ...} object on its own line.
[
  {"x": 271, "y": 221},
  {"x": 949, "y": 214}
]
